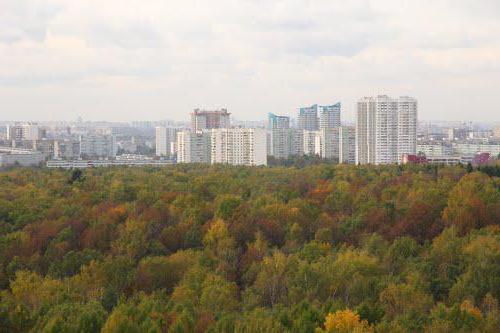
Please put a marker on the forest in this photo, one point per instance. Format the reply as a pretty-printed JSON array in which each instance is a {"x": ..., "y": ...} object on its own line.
[{"x": 196, "y": 248}]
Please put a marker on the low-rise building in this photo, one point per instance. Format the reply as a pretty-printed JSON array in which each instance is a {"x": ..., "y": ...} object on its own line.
[
  {"x": 21, "y": 157},
  {"x": 474, "y": 148}
]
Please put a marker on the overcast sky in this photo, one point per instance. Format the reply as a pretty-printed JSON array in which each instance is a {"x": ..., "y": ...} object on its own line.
[{"x": 151, "y": 59}]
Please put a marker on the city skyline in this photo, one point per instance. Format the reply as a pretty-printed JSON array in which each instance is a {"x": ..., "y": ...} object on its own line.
[{"x": 133, "y": 60}]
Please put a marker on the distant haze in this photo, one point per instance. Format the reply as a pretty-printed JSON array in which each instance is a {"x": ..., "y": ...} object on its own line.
[{"x": 128, "y": 60}]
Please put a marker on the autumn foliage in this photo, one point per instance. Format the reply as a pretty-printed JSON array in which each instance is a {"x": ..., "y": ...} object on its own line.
[{"x": 191, "y": 248}]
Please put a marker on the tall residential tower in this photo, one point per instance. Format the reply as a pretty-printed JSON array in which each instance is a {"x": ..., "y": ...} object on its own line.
[
  {"x": 386, "y": 128},
  {"x": 329, "y": 116},
  {"x": 275, "y": 121},
  {"x": 308, "y": 118}
]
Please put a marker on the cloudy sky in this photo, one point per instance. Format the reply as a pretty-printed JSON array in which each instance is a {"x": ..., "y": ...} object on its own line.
[{"x": 152, "y": 59}]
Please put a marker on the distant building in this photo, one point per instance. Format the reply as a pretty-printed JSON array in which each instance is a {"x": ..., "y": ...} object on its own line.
[
  {"x": 96, "y": 145},
  {"x": 280, "y": 142},
  {"x": 209, "y": 119},
  {"x": 45, "y": 146},
  {"x": 407, "y": 126},
  {"x": 458, "y": 133},
  {"x": 14, "y": 132},
  {"x": 475, "y": 148},
  {"x": 449, "y": 160},
  {"x": 29, "y": 131},
  {"x": 278, "y": 122},
  {"x": 239, "y": 146},
  {"x": 193, "y": 147},
  {"x": 312, "y": 142},
  {"x": 165, "y": 136},
  {"x": 385, "y": 129},
  {"x": 337, "y": 143},
  {"x": 278, "y": 136},
  {"x": 66, "y": 149},
  {"x": 347, "y": 145},
  {"x": 11, "y": 156},
  {"x": 296, "y": 142},
  {"x": 435, "y": 149},
  {"x": 101, "y": 163},
  {"x": 413, "y": 159},
  {"x": 328, "y": 144},
  {"x": 308, "y": 118},
  {"x": 329, "y": 116},
  {"x": 317, "y": 117}
]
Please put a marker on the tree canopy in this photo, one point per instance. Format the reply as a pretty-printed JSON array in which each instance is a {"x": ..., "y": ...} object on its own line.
[{"x": 194, "y": 248}]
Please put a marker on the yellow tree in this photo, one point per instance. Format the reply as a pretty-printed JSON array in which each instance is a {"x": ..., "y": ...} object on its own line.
[
  {"x": 345, "y": 321},
  {"x": 220, "y": 246}
]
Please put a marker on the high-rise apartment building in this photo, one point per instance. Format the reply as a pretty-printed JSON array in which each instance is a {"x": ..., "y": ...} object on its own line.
[
  {"x": 318, "y": 117},
  {"x": 308, "y": 118},
  {"x": 284, "y": 143},
  {"x": 280, "y": 142},
  {"x": 347, "y": 145},
  {"x": 296, "y": 142},
  {"x": 209, "y": 119},
  {"x": 329, "y": 143},
  {"x": 275, "y": 121},
  {"x": 193, "y": 147},
  {"x": 312, "y": 142},
  {"x": 338, "y": 143},
  {"x": 329, "y": 116},
  {"x": 279, "y": 136},
  {"x": 165, "y": 136},
  {"x": 385, "y": 129},
  {"x": 239, "y": 146},
  {"x": 407, "y": 126}
]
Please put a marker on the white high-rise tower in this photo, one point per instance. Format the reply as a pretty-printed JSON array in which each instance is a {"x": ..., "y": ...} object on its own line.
[
  {"x": 407, "y": 126},
  {"x": 386, "y": 128}
]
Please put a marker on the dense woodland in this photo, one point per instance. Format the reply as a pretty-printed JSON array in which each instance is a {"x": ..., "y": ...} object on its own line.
[{"x": 321, "y": 248}]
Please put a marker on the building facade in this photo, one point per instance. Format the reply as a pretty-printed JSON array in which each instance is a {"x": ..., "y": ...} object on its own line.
[
  {"x": 29, "y": 131},
  {"x": 239, "y": 146},
  {"x": 407, "y": 126},
  {"x": 435, "y": 149},
  {"x": 329, "y": 116},
  {"x": 347, "y": 145},
  {"x": 385, "y": 129},
  {"x": 469, "y": 149},
  {"x": 328, "y": 143},
  {"x": 21, "y": 157},
  {"x": 277, "y": 122},
  {"x": 296, "y": 142},
  {"x": 280, "y": 142},
  {"x": 311, "y": 142},
  {"x": 96, "y": 145},
  {"x": 66, "y": 149},
  {"x": 165, "y": 136},
  {"x": 193, "y": 147},
  {"x": 308, "y": 118},
  {"x": 209, "y": 119}
]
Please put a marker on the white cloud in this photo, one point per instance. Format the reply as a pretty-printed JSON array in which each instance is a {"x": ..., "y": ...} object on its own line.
[{"x": 154, "y": 59}]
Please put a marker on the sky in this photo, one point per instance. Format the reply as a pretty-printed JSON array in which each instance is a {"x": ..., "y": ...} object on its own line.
[{"x": 127, "y": 60}]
